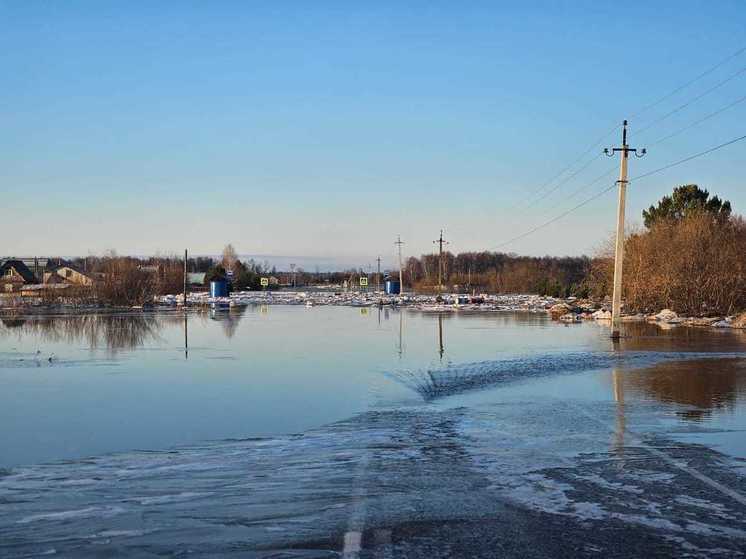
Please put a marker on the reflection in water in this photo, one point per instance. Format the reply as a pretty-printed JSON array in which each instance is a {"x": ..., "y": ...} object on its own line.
[
  {"x": 13, "y": 322},
  {"x": 440, "y": 336},
  {"x": 620, "y": 423},
  {"x": 109, "y": 331},
  {"x": 641, "y": 336},
  {"x": 401, "y": 328},
  {"x": 229, "y": 317},
  {"x": 703, "y": 384},
  {"x": 400, "y": 343}
]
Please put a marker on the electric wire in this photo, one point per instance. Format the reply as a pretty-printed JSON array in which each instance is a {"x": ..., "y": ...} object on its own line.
[
  {"x": 696, "y": 122},
  {"x": 691, "y": 101},
  {"x": 568, "y": 167},
  {"x": 563, "y": 181},
  {"x": 599, "y": 178},
  {"x": 529, "y": 201},
  {"x": 695, "y": 156},
  {"x": 604, "y": 191},
  {"x": 690, "y": 82},
  {"x": 644, "y": 109},
  {"x": 677, "y": 132}
]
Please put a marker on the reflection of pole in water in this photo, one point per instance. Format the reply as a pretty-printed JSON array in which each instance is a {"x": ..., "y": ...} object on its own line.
[
  {"x": 440, "y": 335},
  {"x": 401, "y": 324},
  {"x": 621, "y": 422},
  {"x": 186, "y": 337}
]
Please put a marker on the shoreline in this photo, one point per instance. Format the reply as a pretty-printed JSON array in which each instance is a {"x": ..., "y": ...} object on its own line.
[{"x": 569, "y": 310}]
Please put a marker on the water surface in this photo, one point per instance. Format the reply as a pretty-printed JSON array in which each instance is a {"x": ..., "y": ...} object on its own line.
[{"x": 309, "y": 432}]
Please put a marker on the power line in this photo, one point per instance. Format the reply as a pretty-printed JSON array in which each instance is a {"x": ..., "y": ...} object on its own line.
[
  {"x": 594, "y": 181},
  {"x": 690, "y": 82},
  {"x": 694, "y": 100},
  {"x": 700, "y": 121},
  {"x": 667, "y": 96},
  {"x": 599, "y": 178},
  {"x": 563, "y": 182},
  {"x": 604, "y": 191},
  {"x": 680, "y": 161},
  {"x": 554, "y": 219},
  {"x": 572, "y": 164}
]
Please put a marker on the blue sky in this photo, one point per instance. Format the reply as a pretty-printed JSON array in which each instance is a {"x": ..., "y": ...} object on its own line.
[{"x": 325, "y": 129}]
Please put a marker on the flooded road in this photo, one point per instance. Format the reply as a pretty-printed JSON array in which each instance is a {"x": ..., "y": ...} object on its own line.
[{"x": 327, "y": 432}]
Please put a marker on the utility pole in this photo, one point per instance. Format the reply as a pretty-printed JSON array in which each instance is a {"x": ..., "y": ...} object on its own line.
[
  {"x": 616, "y": 304},
  {"x": 185, "y": 278},
  {"x": 440, "y": 242},
  {"x": 292, "y": 272},
  {"x": 401, "y": 281},
  {"x": 378, "y": 275}
]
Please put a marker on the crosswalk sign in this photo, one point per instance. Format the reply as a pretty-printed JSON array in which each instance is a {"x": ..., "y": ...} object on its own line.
[
  {"x": 363, "y": 282},
  {"x": 264, "y": 282}
]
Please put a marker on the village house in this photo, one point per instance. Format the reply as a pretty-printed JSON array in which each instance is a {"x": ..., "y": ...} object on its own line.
[
  {"x": 14, "y": 274},
  {"x": 64, "y": 273}
]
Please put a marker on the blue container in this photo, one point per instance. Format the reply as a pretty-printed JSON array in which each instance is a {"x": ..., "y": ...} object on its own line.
[
  {"x": 392, "y": 287},
  {"x": 218, "y": 288}
]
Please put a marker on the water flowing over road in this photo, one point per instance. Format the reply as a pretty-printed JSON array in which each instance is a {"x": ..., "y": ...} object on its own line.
[{"x": 339, "y": 433}]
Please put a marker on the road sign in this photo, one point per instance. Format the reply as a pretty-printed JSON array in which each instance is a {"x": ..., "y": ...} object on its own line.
[
  {"x": 264, "y": 282},
  {"x": 363, "y": 282}
]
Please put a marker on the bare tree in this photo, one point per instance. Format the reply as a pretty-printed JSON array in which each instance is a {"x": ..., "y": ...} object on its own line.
[{"x": 229, "y": 257}]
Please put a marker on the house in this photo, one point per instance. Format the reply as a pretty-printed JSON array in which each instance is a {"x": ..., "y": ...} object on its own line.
[
  {"x": 67, "y": 274},
  {"x": 39, "y": 290},
  {"x": 196, "y": 278},
  {"x": 14, "y": 274}
]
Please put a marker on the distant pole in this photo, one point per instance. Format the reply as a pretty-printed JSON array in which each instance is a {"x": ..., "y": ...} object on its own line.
[
  {"x": 185, "y": 277},
  {"x": 292, "y": 272},
  {"x": 616, "y": 304},
  {"x": 399, "y": 243},
  {"x": 440, "y": 242},
  {"x": 378, "y": 275}
]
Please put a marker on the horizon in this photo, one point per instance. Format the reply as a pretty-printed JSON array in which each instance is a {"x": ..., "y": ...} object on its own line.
[{"x": 308, "y": 264}]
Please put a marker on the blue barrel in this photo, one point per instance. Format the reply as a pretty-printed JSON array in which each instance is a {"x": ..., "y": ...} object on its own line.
[
  {"x": 219, "y": 288},
  {"x": 392, "y": 287}
]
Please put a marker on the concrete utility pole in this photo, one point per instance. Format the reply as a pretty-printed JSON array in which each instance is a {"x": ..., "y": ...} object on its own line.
[
  {"x": 378, "y": 275},
  {"x": 440, "y": 242},
  {"x": 401, "y": 281},
  {"x": 616, "y": 305},
  {"x": 185, "y": 278}
]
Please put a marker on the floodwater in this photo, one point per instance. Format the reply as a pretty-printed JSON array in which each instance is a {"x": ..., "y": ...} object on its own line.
[{"x": 337, "y": 431}]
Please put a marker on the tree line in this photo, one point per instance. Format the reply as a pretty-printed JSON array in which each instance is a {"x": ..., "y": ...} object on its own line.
[
  {"x": 498, "y": 272},
  {"x": 689, "y": 257}
]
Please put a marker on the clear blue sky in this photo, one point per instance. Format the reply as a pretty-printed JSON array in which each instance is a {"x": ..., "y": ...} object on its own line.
[{"x": 326, "y": 128}]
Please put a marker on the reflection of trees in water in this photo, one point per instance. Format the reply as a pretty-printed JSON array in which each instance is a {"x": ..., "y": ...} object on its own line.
[
  {"x": 703, "y": 384},
  {"x": 111, "y": 331},
  {"x": 228, "y": 318},
  {"x": 13, "y": 322},
  {"x": 641, "y": 336}
]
